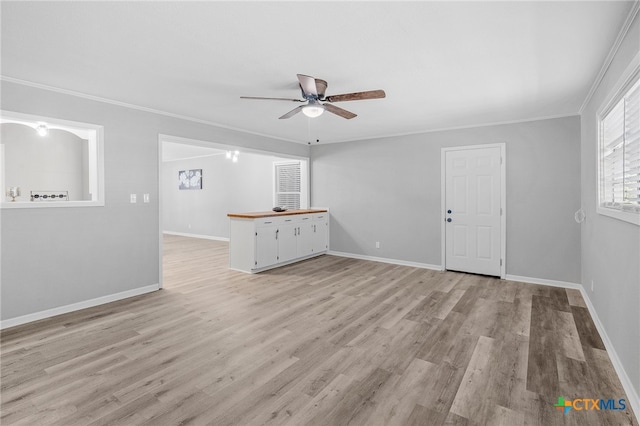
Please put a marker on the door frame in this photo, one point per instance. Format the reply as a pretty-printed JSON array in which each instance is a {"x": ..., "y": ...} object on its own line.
[
  {"x": 503, "y": 201},
  {"x": 218, "y": 145}
]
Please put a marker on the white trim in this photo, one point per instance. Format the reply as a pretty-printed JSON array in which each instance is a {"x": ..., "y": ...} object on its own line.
[
  {"x": 627, "y": 384},
  {"x": 137, "y": 107},
  {"x": 48, "y": 204},
  {"x": 386, "y": 260},
  {"x": 207, "y": 144},
  {"x": 194, "y": 157},
  {"x": 12, "y": 322},
  {"x": 619, "y": 214},
  {"x": 2, "y": 169},
  {"x": 460, "y": 127},
  {"x": 160, "y": 215},
  {"x": 204, "y": 237},
  {"x": 223, "y": 146},
  {"x": 543, "y": 281},
  {"x": 277, "y": 265},
  {"x": 612, "y": 53},
  {"x": 305, "y": 142},
  {"x": 304, "y": 180},
  {"x": 93, "y": 133},
  {"x": 624, "y": 82},
  {"x": 503, "y": 201}
]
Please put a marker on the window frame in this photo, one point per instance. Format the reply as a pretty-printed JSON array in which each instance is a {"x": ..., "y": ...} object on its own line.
[
  {"x": 624, "y": 84},
  {"x": 92, "y": 132},
  {"x": 304, "y": 181}
]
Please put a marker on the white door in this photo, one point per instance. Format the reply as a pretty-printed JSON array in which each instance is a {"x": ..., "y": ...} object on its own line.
[{"x": 472, "y": 202}]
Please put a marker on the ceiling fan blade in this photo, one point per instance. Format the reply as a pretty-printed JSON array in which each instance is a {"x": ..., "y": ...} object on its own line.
[
  {"x": 339, "y": 111},
  {"x": 271, "y": 99},
  {"x": 357, "y": 96},
  {"x": 321, "y": 87},
  {"x": 292, "y": 112},
  {"x": 308, "y": 85}
]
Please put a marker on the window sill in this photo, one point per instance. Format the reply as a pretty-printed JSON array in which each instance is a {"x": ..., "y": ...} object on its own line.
[
  {"x": 49, "y": 204},
  {"x": 625, "y": 216}
]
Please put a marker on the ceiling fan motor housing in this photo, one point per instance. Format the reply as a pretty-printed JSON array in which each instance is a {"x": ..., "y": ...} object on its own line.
[{"x": 313, "y": 92}]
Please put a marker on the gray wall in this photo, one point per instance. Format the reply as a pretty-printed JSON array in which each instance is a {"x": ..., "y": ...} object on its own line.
[
  {"x": 227, "y": 187},
  {"x": 388, "y": 190},
  {"x": 58, "y": 256},
  {"x": 610, "y": 247},
  {"x": 54, "y": 162}
]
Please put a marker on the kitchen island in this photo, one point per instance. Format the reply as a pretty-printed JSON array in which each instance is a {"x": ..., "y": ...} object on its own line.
[{"x": 264, "y": 240}]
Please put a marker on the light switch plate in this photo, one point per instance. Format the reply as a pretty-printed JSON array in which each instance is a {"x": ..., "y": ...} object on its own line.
[
  {"x": 145, "y": 198},
  {"x": 133, "y": 198}
]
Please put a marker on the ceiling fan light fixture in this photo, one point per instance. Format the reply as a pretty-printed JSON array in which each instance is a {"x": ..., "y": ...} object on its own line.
[{"x": 313, "y": 110}]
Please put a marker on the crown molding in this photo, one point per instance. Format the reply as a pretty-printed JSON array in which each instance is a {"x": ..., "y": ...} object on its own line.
[
  {"x": 612, "y": 53},
  {"x": 137, "y": 107}
]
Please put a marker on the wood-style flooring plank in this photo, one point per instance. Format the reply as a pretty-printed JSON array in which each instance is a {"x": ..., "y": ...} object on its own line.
[{"x": 326, "y": 341}]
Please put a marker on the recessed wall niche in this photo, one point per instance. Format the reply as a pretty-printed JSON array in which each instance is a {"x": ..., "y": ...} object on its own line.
[{"x": 53, "y": 163}]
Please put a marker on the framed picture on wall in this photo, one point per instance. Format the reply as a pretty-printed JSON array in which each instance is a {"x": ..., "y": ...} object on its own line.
[{"x": 190, "y": 179}]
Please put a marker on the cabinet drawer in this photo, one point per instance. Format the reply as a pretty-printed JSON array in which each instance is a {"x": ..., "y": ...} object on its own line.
[
  {"x": 268, "y": 221},
  {"x": 304, "y": 218},
  {"x": 320, "y": 216},
  {"x": 288, "y": 219}
]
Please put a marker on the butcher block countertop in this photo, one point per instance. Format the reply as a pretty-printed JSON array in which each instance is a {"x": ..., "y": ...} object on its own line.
[{"x": 271, "y": 213}]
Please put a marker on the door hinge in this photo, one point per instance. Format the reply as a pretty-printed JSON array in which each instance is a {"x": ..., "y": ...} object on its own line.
[
  {"x": 500, "y": 262},
  {"x": 500, "y": 211},
  {"x": 500, "y": 160}
]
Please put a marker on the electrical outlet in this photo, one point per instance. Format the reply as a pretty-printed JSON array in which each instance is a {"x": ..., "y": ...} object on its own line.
[
  {"x": 377, "y": 244},
  {"x": 133, "y": 198}
]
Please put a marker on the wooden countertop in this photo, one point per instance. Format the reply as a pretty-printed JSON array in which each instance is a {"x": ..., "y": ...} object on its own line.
[{"x": 271, "y": 213}]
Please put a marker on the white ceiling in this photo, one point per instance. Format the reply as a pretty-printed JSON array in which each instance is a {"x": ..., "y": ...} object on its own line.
[{"x": 442, "y": 64}]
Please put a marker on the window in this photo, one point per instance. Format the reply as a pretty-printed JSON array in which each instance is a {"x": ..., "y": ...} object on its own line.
[
  {"x": 619, "y": 155},
  {"x": 290, "y": 184}
]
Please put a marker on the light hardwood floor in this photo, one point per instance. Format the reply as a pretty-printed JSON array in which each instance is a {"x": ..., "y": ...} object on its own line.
[{"x": 327, "y": 341}]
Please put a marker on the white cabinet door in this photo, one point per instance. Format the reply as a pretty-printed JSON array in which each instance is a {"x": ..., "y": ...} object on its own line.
[
  {"x": 305, "y": 238},
  {"x": 320, "y": 227},
  {"x": 288, "y": 240},
  {"x": 305, "y": 235},
  {"x": 266, "y": 246}
]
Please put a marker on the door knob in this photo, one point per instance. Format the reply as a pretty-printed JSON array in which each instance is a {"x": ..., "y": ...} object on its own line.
[
  {"x": 448, "y": 219},
  {"x": 449, "y": 211}
]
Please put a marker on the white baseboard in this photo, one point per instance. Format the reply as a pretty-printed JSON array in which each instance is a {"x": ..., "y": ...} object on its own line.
[
  {"x": 543, "y": 281},
  {"x": 385, "y": 260},
  {"x": 204, "y": 237},
  {"x": 627, "y": 384},
  {"x": 12, "y": 322}
]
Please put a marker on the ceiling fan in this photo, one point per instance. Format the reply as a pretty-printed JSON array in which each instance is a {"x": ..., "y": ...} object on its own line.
[{"x": 313, "y": 92}]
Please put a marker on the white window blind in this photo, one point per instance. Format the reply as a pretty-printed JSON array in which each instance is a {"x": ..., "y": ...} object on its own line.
[
  {"x": 288, "y": 185},
  {"x": 619, "y": 154}
]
